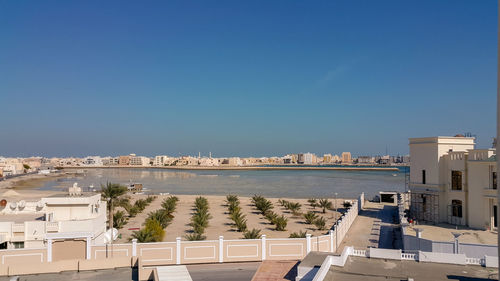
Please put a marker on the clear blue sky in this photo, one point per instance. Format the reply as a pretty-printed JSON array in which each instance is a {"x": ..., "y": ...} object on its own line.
[{"x": 243, "y": 78}]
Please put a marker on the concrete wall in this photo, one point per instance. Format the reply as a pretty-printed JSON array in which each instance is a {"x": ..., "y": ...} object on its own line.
[{"x": 442, "y": 258}]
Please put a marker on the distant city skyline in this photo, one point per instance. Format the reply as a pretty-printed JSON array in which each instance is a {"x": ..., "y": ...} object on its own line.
[{"x": 243, "y": 79}]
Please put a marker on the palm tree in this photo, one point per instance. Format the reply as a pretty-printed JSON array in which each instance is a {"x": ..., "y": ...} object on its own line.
[
  {"x": 294, "y": 208},
  {"x": 119, "y": 219},
  {"x": 325, "y": 204},
  {"x": 312, "y": 202},
  {"x": 252, "y": 234},
  {"x": 160, "y": 216},
  {"x": 195, "y": 237},
  {"x": 281, "y": 223},
  {"x": 143, "y": 236},
  {"x": 320, "y": 223},
  {"x": 301, "y": 234},
  {"x": 112, "y": 192},
  {"x": 310, "y": 217}
]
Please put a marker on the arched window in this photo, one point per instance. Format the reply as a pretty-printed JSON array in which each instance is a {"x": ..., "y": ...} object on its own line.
[{"x": 456, "y": 208}]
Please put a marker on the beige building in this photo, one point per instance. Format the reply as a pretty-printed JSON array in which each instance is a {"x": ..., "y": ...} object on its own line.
[
  {"x": 124, "y": 160},
  {"x": 30, "y": 224},
  {"x": 346, "y": 158},
  {"x": 139, "y": 161},
  {"x": 452, "y": 182}
]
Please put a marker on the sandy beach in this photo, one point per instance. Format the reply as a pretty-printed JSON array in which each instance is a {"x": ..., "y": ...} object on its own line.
[{"x": 220, "y": 224}]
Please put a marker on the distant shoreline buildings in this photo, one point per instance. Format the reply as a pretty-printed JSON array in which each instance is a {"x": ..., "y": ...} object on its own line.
[{"x": 17, "y": 166}]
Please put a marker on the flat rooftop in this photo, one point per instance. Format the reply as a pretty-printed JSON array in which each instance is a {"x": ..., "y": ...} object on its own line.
[
  {"x": 442, "y": 232},
  {"x": 21, "y": 218},
  {"x": 363, "y": 269}
]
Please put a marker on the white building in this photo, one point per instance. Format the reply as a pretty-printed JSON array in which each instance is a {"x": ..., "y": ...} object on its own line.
[
  {"x": 451, "y": 182},
  {"x": 163, "y": 160},
  {"x": 29, "y": 224},
  {"x": 92, "y": 161},
  {"x": 366, "y": 160}
]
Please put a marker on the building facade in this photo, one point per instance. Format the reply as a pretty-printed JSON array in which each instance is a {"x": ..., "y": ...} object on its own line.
[
  {"x": 452, "y": 182},
  {"x": 29, "y": 224}
]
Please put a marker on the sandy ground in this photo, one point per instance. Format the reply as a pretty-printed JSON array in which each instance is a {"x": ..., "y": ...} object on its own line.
[
  {"x": 24, "y": 187},
  {"x": 442, "y": 232},
  {"x": 220, "y": 224}
]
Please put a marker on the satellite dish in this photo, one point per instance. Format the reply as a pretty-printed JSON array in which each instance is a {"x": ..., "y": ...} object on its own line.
[
  {"x": 13, "y": 205},
  {"x": 22, "y": 204}
]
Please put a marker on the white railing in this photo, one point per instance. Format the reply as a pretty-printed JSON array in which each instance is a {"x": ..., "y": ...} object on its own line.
[
  {"x": 359, "y": 253},
  {"x": 53, "y": 226},
  {"x": 409, "y": 256},
  {"x": 476, "y": 261},
  {"x": 18, "y": 227}
]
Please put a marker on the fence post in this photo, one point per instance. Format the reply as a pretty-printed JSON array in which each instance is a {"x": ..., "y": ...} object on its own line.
[
  {"x": 49, "y": 250},
  {"x": 134, "y": 247},
  {"x": 308, "y": 243},
  {"x": 89, "y": 249},
  {"x": 263, "y": 246},
  {"x": 178, "y": 255},
  {"x": 331, "y": 241},
  {"x": 221, "y": 248}
]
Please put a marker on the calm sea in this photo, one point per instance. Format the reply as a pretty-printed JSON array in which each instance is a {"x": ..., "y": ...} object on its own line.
[{"x": 272, "y": 183}]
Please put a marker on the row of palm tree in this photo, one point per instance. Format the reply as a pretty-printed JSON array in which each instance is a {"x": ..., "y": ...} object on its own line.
[
  {"x": 239, "y": 220},
  {"x": 265, "y": 207},
  {"x": 293, "y": 207},
  {"x": 313, "y": 218},
  {"x": 199, "y": 220},
  {"x": 157, "y": 221}
]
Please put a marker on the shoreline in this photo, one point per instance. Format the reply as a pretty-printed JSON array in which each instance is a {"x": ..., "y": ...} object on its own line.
[{"x": 243, "y": 168}]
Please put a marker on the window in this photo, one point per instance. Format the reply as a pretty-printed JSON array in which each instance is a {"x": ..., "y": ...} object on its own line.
[
  {"x": 456, "y": 180},
  {"x": 494, "y": 180},
  {"x": 456, "y": 208},
  {"x": 495, "y": 216},
  {"x": 18, "y": 245},
  {"x": 423, "y": 176}
]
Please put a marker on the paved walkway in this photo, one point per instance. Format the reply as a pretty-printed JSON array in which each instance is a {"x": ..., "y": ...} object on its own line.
[{"x": 374, "y": 227}]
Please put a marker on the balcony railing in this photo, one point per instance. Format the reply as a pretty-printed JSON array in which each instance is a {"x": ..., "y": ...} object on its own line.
[
  {"x": 18, "y": 227},
  {"x": 52, "y": 226}
]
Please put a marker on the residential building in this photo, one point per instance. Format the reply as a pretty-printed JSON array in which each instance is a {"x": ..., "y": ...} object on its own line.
[
  {"x": 366, "y": 160},
  {"x": 163, "y": 160},
  {"x": 139, "y": 161},
  {"x": 124, "y": 160},
  {"x": 452, "y": 182},
  {"x": 346, "y": 158},
  {"x": 92, "y": 161},
  {"x": 327, "y": 158},
  {"x": 28, "y": 224}
]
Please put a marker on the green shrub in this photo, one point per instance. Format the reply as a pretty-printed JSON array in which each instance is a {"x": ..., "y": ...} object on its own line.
[{"x": 156, "y": 229}]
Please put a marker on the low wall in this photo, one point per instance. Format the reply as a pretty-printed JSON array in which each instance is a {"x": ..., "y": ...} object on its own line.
[
  {"x": 442, "y": 258},
  {"x": 385, "y": 253},
  {"x": 15, "y": 261},
  {"x": 413, "y": 243}
]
